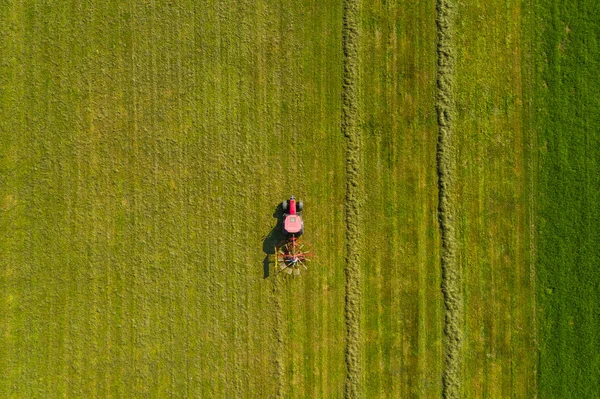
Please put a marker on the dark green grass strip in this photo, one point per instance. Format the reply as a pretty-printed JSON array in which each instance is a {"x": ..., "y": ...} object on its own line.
[
  {"x": 446, "y": 164},
  {"x": 351, "y": 132},
  {"x": 568, "y": 197}
]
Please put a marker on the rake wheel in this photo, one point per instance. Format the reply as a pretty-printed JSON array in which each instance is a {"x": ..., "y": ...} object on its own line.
[{"x": 293, "y": 256}]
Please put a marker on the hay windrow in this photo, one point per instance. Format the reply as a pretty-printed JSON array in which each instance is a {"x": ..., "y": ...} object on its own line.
[
  {"x": 446, "y": 164},
  {"x": 350, "y": 131}
]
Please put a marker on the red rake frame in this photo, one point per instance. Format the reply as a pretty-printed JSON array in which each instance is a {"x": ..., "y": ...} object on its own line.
[{"x": 292, "y": 256}]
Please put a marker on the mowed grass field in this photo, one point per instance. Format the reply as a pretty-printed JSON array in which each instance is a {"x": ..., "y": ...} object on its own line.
[
  {"x": 145, "y": 149},
  {"x": 145, "y": 146},
  {"x": 494, "y": 199}
]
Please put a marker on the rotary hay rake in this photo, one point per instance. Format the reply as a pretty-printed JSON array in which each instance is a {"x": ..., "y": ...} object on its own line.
[{"x": 293, "y": 254}]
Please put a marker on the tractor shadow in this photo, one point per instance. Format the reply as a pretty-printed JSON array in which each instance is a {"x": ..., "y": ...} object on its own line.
[{"x": 272, "y": 240}]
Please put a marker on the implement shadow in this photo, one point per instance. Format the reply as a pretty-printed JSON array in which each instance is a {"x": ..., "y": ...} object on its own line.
[{"x": 273, "y": 239}]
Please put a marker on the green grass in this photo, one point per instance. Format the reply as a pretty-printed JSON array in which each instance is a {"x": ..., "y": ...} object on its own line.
[
  {"x": 144, "y": 147},
  {"x": 402, "y": 309},
  {"x": 568, "y": 197},
  {"x": 494, "y": 200}
]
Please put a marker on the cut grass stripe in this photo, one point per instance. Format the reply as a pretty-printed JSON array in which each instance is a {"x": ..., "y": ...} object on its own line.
[
  {"x": 278, "y": 337},
  {"x": 350, "y": 131},
  {"x": 446, "y": 164}
]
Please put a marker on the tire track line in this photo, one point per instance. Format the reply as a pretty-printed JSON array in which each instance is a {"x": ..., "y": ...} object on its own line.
[
  {"x": 532, "y": 246},
  {"x": 528, "y": 25},
  {"x": 446, "y": 168},
  {"x": 278, "y": 335},
  {"x": 349, "y": 126},
  {"x": 273, "y": 98}
]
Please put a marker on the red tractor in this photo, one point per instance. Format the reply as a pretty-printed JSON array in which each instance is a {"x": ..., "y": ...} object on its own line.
[
  {"x": 292, "y": 220},
  {"x": 293, "y": 254}
]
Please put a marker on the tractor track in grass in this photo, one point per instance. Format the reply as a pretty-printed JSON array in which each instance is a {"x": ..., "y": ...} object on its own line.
[
  {"x": 446, "y": 166},
  {"x": 528, "y": 73},
  {"x": 349, "y": 124},
  {"x": 278, "y": 337}
]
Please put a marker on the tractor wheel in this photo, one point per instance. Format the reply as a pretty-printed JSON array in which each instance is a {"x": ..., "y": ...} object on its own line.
[
  {"x": 284, "y": 206},
  {"x": 300, "y": 206}
]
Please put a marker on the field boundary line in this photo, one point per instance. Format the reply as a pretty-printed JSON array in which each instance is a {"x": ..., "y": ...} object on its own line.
[
  {"x": 349, "y": 126},
  {"x": 446, "y": 169}
]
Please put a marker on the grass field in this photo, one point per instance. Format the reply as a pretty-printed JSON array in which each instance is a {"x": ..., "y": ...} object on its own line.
[
  {"x": 403, "y": 314},
  {"x": 568, "y": 199},
  {"x": 493, "y": 196},
  {"x": 145, "y": 146}
]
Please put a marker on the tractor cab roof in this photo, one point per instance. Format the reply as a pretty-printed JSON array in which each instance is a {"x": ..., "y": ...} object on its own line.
[{"x": 293, "y": 224}]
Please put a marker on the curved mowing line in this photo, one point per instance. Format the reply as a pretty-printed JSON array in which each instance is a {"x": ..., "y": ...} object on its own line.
[
  {"x": 350, "y": 130},
  {"x": 446, "y": 166}
]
